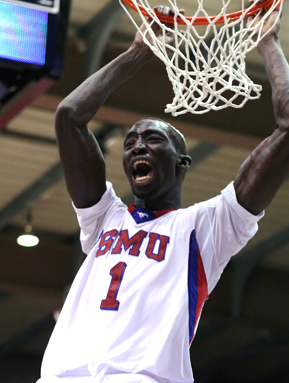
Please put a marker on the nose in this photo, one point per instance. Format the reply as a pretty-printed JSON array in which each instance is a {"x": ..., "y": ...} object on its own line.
[{"x": 139, "y": 145}]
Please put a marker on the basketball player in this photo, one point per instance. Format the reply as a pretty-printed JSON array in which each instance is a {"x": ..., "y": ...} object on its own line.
[{"x": 134, "y": 306}]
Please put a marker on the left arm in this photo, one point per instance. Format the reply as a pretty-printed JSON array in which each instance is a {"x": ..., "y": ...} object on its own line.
[{"x": 261, "y": 175}]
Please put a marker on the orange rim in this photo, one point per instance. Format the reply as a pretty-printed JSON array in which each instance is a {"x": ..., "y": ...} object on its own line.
[{"x": 203, "y": 20}]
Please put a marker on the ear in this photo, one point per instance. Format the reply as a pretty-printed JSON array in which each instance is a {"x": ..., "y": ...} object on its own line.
[{"x": 184, "y": 161}]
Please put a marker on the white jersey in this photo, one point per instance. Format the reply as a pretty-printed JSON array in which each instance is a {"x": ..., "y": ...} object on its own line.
[{"x": 135, "y": 303}]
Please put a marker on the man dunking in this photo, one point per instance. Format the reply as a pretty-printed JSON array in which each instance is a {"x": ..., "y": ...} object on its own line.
[{"x": 134, "y": 306}]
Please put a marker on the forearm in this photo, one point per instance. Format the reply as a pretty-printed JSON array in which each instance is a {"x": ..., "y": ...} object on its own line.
[
  {"x": 264, "y": 171},
  {"x": 82, "y": 161},
  {"x": 85, "y": 100},
  {"x": 277, "y": 70}
]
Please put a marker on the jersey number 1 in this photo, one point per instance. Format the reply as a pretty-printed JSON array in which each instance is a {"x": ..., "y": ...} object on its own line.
[{"x": 110, "y": 302}]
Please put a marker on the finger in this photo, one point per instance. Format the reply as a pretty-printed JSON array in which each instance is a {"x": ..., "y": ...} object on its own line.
[
  {"x": 167, "y": 11},
  {"x": 162, "y": 10}
]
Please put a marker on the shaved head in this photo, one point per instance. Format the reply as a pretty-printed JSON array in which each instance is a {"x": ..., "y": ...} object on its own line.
[{"x": 175, "y": 135}]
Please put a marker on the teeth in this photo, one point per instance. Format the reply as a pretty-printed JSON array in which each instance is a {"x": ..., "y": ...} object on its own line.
[
  {"x": 142, "y": 179},
  {"x": 140, "y": 162}
]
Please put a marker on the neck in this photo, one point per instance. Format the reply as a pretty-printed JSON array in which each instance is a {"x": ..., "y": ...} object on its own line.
[
  {"x": 157, "y": 204},
  {"x": 158, "y": 199}
]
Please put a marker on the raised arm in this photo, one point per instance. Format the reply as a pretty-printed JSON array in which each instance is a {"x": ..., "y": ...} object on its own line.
[
  {"x": 81, "y": 158},
  {"x": 265, "y": 169}
]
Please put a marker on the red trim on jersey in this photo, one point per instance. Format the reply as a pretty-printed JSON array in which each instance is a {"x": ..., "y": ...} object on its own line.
[
  {"x": 162, "y": 212},
  {"x": 157, "y": 214}
]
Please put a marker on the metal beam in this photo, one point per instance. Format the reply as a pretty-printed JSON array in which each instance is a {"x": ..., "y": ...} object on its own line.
[
  {"x": 243, "y": 265},
  {"x": 19, "y": 339},
  {"x": 23, "y": 97},
  {"x": 49, "y": 179},
  {"x": 28, "y": 137},
  {"x": 31, "y": 194},
  {"x": 98, "y": 32}
]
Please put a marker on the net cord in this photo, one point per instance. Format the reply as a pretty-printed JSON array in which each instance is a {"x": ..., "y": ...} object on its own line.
[{"x": 207, "y": 68}]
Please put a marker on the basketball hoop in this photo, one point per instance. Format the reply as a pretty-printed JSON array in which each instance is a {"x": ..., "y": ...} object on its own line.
[
  {"x": 206, "y": 68},
  {"x": 203, "y": 20}
]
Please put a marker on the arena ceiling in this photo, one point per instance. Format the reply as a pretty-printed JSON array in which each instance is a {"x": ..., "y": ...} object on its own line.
[{"x": 244, "y": 333}]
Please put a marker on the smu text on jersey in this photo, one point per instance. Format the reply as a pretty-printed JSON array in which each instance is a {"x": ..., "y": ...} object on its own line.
[{"x": 121, "y": 240}]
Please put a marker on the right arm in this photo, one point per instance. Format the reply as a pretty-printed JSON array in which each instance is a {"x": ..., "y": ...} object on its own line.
[
  {"x": 82, "y": 161},
  {"x": 264, "y": 171}
]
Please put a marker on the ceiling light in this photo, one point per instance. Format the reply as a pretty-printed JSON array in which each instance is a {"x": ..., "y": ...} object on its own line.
[{"x": 28, "y": 238}]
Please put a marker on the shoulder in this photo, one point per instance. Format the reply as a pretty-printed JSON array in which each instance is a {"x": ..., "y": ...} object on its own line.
[
  {"x": 222, "y": 220},
  {"x": 109, "y": 202},
  {"x": 222, "y": 204},
  {"x": 92, "y": 220},
  {"x": 110, "y": 209},
  {"x": 222, "y": 227}
]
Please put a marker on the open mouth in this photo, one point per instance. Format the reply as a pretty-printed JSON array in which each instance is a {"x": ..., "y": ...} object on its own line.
[{"x": 142, "y": 171}]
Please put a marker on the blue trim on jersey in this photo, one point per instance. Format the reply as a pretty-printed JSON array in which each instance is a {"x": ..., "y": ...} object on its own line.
[
  {"x": 193, "y": 282},
  {"x": 140, "y": 215}
]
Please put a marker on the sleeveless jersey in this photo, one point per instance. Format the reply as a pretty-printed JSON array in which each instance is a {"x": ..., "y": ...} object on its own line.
[{"x": 135, "y": 303}]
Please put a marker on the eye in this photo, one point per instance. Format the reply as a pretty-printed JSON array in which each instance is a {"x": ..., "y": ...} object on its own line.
[
  {"x": 128, "y": 144},
  {"x": 154, "y": 138}
]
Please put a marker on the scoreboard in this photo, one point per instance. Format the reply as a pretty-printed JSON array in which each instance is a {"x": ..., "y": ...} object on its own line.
[
  {"x": 32, "y": 48},
  {"x": 33, "y": 33},
  {"x": 51, "y": 6}
]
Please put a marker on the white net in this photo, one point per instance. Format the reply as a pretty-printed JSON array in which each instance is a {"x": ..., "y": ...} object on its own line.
[{"x": 206, "y": 64}]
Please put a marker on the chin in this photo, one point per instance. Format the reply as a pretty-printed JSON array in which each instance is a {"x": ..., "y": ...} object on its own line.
[
  {"x": 144, "y": 191},
  {"x": 141, "y": 194}
]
